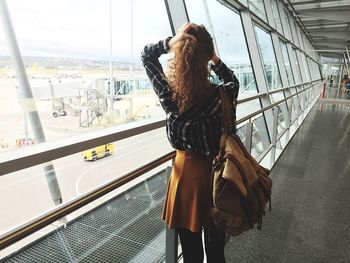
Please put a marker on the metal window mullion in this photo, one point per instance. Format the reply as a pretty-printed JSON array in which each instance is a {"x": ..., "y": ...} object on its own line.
[
  {"x": 307, "y": 61},
  {"x": 240, "y": 4},
  {"x": 248, "y": 135},
  {"x": 301, "y": 65},
  {"x": 282, "y": 17},
  {"x": 177, "y": 13},
  {"x": 293, "y": 63},
  {"x": 298, "y": 35},
  {"x": 348, "y": 54},
  {"x": 279, "y": 58},
  {"x": 274, "y": 136},
  {"x": 289, "y": 117},
  {"x": 257, "y": 65},
  {"x": 303, "y": 100},
  {"x": 346, "y": 64},
  {"x": 294, "y": 33},
  {"x": 269, "y": 14},
  {"x": 280, "y": 62}
]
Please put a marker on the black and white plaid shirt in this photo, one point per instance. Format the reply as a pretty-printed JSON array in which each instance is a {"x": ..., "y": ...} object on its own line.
[{"x": 197, "y": 129}]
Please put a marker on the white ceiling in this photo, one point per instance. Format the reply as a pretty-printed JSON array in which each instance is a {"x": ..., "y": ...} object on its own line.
[{"x": 327, "y": 22}]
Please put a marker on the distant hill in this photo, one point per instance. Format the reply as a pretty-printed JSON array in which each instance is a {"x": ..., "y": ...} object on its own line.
[{"x": 68, "y": 63}]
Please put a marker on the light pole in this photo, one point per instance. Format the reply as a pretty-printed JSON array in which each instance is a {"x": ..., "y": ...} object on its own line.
[
  {"x": 26, "y": 98},
  {"x": 111, "y": 83}
]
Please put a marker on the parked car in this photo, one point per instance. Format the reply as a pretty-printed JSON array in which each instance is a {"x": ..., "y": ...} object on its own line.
[{"x": 98, "y": 152}]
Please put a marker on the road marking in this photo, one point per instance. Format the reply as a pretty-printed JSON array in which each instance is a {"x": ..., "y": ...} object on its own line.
[
  {"x": 109, "y": 160},
  {"x": 37, "y": 176}
]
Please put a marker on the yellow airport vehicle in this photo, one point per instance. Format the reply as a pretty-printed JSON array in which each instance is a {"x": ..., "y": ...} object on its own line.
[{"x": 101, "y": 151}]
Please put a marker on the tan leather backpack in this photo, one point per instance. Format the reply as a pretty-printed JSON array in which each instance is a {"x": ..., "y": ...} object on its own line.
[{"x": 241, "y": 187}]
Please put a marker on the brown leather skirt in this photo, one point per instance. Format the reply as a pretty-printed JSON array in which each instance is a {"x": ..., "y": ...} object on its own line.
[{"x": 187, "y": 200}]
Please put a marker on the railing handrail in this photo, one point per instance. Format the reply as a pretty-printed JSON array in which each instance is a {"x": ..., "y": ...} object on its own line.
[
  {"x": 19, "y": 159},
  {"x": 64, "y": 209},
  {"x": 271, "y": 106},
  {"x": 45, "y": 152}
]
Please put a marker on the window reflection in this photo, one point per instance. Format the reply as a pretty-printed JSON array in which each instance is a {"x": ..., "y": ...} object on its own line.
[
  {"x": 302, "y": 44},
  {"x": 268, "y": 58},
  {"x": 66, "y": 52},
  {"x": 302, "y": 65},
  {"x": 257, "y": 7},
  {"x": 276, "y": 97},
  {"x": 260, "y": 139},
  {"x": 287, "y": 63},
  {"x": 299, "y": 78},
  {"x": 276, "y": 16},
  {"x": 306, "y": 67},
  {"x": 295, "y": 32},
  {"x": 225, "y": 26},
  {"x": 282, "y": 117},
  {"x": 287, "y": 32}
]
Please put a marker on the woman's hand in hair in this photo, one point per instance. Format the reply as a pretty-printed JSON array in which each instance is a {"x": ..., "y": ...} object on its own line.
[{"x": 182, "y": 34}]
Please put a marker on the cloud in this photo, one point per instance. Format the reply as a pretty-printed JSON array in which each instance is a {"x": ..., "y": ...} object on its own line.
[{"x": 81, "y": 28}]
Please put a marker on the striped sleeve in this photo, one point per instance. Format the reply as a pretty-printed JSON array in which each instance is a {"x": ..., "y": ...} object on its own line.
[{"x": 150, "y": 59}]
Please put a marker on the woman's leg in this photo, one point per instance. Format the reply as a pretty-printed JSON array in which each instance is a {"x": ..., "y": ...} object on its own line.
[
  {"x": 192, "y": 246},
  {"x": 214, "y": 241}
]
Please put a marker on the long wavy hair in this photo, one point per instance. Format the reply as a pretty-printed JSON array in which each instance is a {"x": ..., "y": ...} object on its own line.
[{"x": 188, "y": 69}]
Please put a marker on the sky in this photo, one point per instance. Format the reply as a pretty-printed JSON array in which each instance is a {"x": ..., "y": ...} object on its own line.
[{"x": 81, "y": 28}]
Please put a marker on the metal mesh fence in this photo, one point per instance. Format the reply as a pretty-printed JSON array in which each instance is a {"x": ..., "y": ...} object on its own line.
[{"x": 127, "y": 228}]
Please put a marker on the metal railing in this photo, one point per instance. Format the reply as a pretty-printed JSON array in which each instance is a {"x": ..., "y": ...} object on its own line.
[{"x": 39, "y": 154}]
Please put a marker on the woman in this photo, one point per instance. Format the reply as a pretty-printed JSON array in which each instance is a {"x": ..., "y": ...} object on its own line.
[{"x": 194, "y": 124}]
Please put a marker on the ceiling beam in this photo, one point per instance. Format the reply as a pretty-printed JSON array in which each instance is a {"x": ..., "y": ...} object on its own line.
[
  {"x": 338, "y": 35},
  {"x": 320, "y": 22},
  {"x": 333, "y": 15},
  {"x": 318, "y": 5},
  {"x": 330, "y": 48},
  {"x": 329, "y": 28},
  {"x": 322, "y": 45}
]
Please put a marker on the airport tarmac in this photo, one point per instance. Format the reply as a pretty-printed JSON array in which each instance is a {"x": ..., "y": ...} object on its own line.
[{"x": 24, "y": 194}]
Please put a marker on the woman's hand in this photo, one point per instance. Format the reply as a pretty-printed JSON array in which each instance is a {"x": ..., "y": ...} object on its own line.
[{"x": 182, "y": 34}]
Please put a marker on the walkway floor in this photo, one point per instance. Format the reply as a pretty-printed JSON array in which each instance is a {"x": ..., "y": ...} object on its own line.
[{"x": 310, "y": 217}]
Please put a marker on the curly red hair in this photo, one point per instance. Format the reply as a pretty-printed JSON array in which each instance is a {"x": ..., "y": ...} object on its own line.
[{"x": 188, "y": 69}]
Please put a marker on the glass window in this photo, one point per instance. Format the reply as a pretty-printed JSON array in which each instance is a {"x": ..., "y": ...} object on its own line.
[
  {"x": 258, "y": 8},
  {"x": 311, "y": 64},
  {"x": 276, "y": 16},
  {"x": 299, "y": 37},
  {"x": 260, "y": 139},
  {"x": 287, "y": 63},
  {"x": 302, "y": 40},
  {"x": 294, "y": 33},
  {"x": 303, "y": 66},
  {"x": 225, "y": 26},
  {"x": 282, "y": 117},
  {"x": 66, "y": 52},
  {"x": 289, "y": 25},
  {"x": 299, "y": 79},
  {"x": 287, "y": 32},
  {"x": 296, "y": 37},
  {"x": 268, "y": 58}
]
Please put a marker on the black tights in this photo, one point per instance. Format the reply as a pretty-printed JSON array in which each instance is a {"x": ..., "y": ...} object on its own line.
[{"x": 192, "y": 246}]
